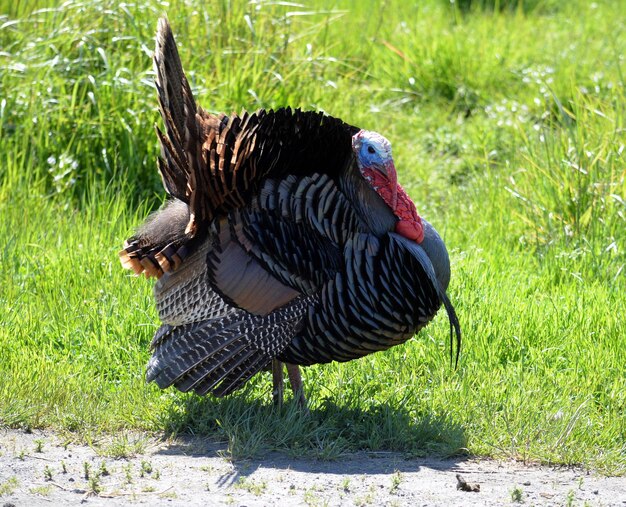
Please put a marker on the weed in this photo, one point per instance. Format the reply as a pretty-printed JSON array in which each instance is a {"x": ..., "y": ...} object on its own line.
[
  {"x": 255, "y": 487},
  {"x": 94, "y": 484},
  {"x": 310, "y": 498},
  {"x": 7, "y": 487},
  {"x": 124, "y": 446},
  {"x": 146, "y": 468},
  {"x": 367, "y": 499},
  {"x": 345, "y": 485},
  {"x": 169, "y": 495},
  {"x": 103, "y": 471},
  {"x": 41, "y": 490},
  {"x": 570, "y": 499},
  {"x": 517, "y": 494},
  {"x": 47, "y": 473},
  {"x": 128, "y": 473},
  {"x": 39, "y": 445},
  {"x": 86, "y": 470},
  {"x": 396, "y": 479}
]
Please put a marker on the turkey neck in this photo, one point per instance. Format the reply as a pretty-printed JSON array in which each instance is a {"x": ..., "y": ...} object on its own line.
[{"x": 370, "y": 207}]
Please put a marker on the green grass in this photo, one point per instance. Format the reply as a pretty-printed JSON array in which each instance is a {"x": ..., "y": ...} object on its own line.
[{"x": 508, "y": 129}]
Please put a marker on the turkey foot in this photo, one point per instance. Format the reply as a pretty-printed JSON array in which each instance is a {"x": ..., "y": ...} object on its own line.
[{"x": 295, "y": 379}]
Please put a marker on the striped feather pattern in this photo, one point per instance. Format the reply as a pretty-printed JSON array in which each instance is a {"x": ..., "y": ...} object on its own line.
[
  {"x": 296, "y": 229},
  {"x": 221, "y": 354},
  {"x": 383, "y": 297},
  {"x": 370, "y": 293}
]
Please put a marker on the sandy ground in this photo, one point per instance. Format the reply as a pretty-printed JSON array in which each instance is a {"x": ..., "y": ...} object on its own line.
[{"x": 40, "y": 469}]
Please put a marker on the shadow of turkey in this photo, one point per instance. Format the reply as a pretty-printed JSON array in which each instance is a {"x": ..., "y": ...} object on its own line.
[{"x": 241, "y": 430}]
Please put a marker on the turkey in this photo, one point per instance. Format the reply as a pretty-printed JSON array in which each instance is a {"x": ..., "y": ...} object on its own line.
[{"x": 285, "y": 238}]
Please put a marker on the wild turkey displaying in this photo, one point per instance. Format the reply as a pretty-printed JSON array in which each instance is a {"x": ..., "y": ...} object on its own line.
[{"x": 286, "y": 237}]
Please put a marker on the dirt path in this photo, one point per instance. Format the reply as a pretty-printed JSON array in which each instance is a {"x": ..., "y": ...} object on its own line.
[{"x": 39, "y": 469}]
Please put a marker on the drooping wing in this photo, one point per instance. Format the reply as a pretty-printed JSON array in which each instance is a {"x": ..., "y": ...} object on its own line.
[{"x": 381, "y": 298}]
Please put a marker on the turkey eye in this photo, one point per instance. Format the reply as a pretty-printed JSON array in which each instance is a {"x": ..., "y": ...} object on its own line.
[{"x": 371, "y": 149}]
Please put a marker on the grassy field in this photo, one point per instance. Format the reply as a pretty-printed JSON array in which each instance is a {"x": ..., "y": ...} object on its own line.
[{"x": 508, "y": 128}]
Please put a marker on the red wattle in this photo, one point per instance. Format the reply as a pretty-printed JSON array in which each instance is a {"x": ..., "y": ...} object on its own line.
[
  {"x": 410, "y": 230},
  {"x": 409, "y": 222}
]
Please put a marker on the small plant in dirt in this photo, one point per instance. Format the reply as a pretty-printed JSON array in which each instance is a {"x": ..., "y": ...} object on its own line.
[
  {"x": 39, "y": 490},
  {"x": 254, "y": 487},
  {"x": 39, "y": 445},
  {"x": 123, "y": 447},
  {"x": 128, "y": 473},
  {"x": 146, "y": 468},
  {"x": 517, "y": 494},
  {"x": 367, "y": 499},
  {"x": 47, "y": 473},
  {"x": 396, "y": 479},
  {"x": 310, "y": 498},
  {"x": 86, "y": 470},
  {"x": 345, "y": 485},
  {"x": 103, "y": 471},
  {"x": 169, "y": 495},
  {"x": 7, "y": 487},
  {"x": 63, "y": 467},
  {"x": 94, "y": 485}
]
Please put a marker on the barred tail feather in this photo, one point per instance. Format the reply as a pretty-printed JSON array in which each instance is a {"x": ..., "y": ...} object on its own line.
[
  {"x": 160, "y": 245},
  {"x": 178, "y": 110}
]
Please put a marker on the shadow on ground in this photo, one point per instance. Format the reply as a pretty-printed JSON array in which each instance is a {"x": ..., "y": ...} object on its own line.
[{"x": 253, "y": 435}]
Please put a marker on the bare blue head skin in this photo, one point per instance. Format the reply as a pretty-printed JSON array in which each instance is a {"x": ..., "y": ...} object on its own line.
[{"x": 372, "y": 150}]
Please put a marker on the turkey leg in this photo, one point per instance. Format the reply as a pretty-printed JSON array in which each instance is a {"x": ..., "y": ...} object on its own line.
[
  {"x": 295, "y": 379},
  {"x": 278, "y": 386}
]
